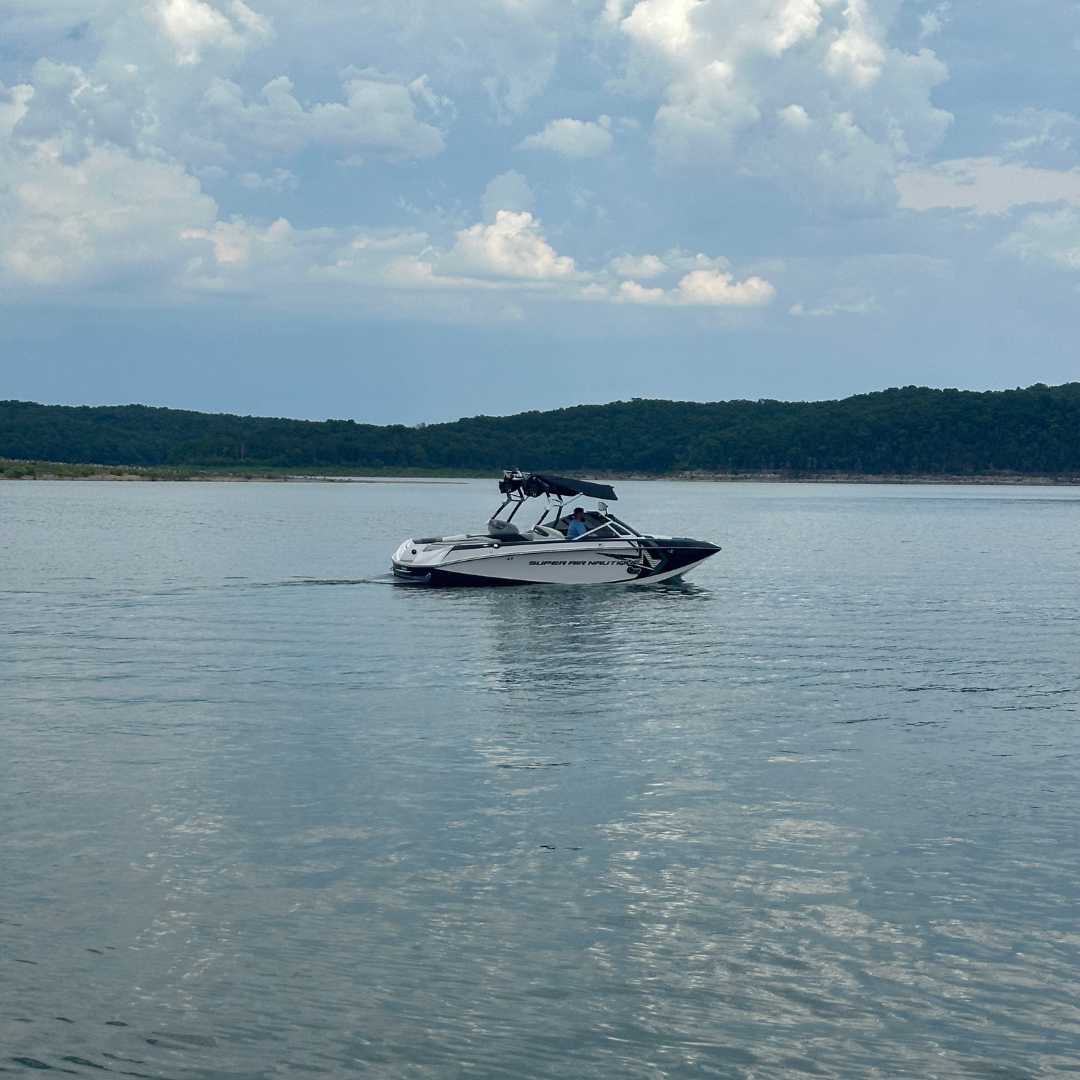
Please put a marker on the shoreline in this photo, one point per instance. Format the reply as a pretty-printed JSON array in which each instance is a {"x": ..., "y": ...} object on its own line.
[{"x": 37, "y": 470}]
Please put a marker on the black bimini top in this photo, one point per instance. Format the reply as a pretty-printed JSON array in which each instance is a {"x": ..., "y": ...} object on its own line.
[{"x": 532, "y": 485}]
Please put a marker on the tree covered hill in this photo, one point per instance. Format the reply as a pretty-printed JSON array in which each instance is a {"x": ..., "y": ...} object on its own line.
[{"x": 913, "y": 430}]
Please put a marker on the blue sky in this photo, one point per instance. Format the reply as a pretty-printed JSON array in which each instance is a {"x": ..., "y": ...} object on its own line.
[{"x": 417, "y": 211}]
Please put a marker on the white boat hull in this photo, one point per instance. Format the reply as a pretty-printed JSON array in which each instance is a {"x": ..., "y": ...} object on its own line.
[{"x": 611, "y": 562}]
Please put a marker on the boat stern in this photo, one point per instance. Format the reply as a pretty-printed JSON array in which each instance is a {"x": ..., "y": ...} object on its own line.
[{"x": 415, "y": 559}]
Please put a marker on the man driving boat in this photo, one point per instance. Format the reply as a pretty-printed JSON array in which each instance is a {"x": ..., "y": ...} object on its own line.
[{"x": 577, "y": 526}]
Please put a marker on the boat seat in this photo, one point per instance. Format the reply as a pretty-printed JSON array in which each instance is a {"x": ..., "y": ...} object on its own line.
[{"x": 506, "y": 531}]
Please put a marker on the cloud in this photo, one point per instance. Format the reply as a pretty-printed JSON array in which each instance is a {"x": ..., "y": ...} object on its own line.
[
  {"x": 344, "y": 268},
  {"x": 806, "y": 94},
  {"x": 113, "y": 131},
  {"x": 63, "y": 104},
  {"x": 703, "y": 288},
  {"x": 660, "y": 24},
  {"x": 281, "y": 179},
  {"x": 649, "y": 266},
  {"x": 861, "y": 307},
  {"x": 502, "y": 53},
  {"x": 14, "y": 103},
  {"x": 507, "y": 191},
  {"x": 712, "y": 287},
  {"x": 1047, "y": 238},
  {"x": 638, "y": 266},
  {"x": 1045, "y": 138},
  {"x": 932, "y": 22},
  {"x": 378, "y": 118},
  {"x": 795, "y": 117},
  {"x": 511, "y": 247},
  {"x": 985, "y": 185},
  {"x": 88, "y": 214},
  {"x": 96, "y": 221},
  {"x": 572, "y": 138},
  {"x": 511, "y": 253},
  {"x": 633, "y": 293},
  {"x": 797, "y": 20},
  {"x": 194, "y": 28},
  {"x": 678, "y": 259},
  {"x": 856, "y": 55},
  {"x": 704, "y": 113}
]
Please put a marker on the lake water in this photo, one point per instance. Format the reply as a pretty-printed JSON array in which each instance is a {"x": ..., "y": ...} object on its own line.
[{"x": 265, "y": 814}]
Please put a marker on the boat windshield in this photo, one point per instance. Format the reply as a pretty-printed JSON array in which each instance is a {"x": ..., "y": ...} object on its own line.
[{"x": 598, "y": 526}]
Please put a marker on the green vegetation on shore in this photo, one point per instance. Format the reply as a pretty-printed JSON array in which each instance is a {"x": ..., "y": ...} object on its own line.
[
  {"x": 913, "y": 431},
  {"x": 56, "y": 470},
  {"x": 26, "y": 469}
]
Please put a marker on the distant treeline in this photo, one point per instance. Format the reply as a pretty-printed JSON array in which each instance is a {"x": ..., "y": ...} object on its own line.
[{"x": 908, "y": 431}]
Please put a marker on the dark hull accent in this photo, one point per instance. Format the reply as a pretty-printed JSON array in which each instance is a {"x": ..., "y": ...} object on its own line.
[
  {"x": 676, "y": 553},
  {"x": 405, "y": 573},
  {"x": 448, "y": 578}
]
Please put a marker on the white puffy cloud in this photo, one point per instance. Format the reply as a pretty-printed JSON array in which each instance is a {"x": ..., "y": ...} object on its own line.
[
  {"x": 86, "y": 211},
  {"x": 709, "y": 288},
  {"x": 194, "y": 27},
  {"x": 639, "y": 266},
  {"x": 712, "y": 287},
  {"x": 662, "y": 25},
  {"x": 511, "y": 247},
  {"x": 572, "y": 138},
  {"x": 95, "y": 221},
  {"x": 164, "y": 79},
  {"x": 796, "y": 21},
  {"x": 795, "y": 117},
  {"x": 805, "y": 93},
  {"x": 650, "y": 266},
  {"x": 857, "y": 54},
  {"x": 985, "y": 185},
  {"x": 632, "y": 293},
  {"x": 808, "y": 94},
  {"x": 378, "y": 118},
  {"x": 704, "y": 112},
  {"x": 85, "y": 207},
  {"x": 512, "y": 253}
]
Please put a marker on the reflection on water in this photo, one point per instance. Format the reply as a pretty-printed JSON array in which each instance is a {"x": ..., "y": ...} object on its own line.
[
  {"x": 812, "y": 812},
  {"x": 566, "y": 641}
]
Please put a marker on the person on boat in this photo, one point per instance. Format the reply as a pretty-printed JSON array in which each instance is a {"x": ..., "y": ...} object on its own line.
[{"x": 577, "y": 526}]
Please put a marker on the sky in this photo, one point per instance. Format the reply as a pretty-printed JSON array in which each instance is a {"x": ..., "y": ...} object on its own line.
[{"x": 405, "y": 212}]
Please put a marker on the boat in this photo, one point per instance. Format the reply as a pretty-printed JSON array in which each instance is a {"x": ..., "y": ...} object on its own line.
[{"x": 609, "y": 552}]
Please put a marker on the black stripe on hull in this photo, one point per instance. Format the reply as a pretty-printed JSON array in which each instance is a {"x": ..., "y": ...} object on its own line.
[
  {"x": 405, "y": 573},
  {"x": 675, "y": 554},
  {"x": 444, "y": 578}
]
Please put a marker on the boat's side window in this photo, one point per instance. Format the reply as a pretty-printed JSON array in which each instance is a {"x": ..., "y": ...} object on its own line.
[{"x": 594, "y": 522}]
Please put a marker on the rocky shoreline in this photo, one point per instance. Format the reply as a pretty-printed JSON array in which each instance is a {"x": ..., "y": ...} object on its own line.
[{"x": 27, "y": 470}]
